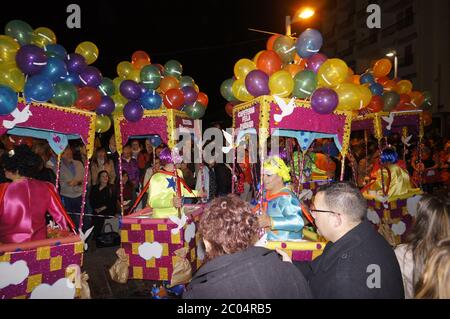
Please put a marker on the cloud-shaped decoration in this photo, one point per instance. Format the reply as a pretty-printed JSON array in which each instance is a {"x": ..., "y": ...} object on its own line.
[
  {"x": 13, "y": 274},
  {"x": 200, "y": 250},
  {"x": 373, "y": 216},
  {"x": 61, "y": 289},
  {"x": 411, "y": 204},
  {"x": 149, "y": 250},
  {"x": 399, "y": 228},
  {"x": 189, "y": 232}
]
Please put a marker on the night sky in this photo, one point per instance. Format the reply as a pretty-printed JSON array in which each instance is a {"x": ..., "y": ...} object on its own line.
[{"x": 207, "y": 37}]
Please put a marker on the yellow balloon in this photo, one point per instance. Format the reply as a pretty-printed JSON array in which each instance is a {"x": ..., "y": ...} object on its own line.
[
  {"x": 134, "y": 75},
  {"x": 117, "y": 81},
  {"x": 124, "y": 68},
  {"x": 240, "y": 91},
  {"x": 196, "y": 88},
  {"x": 102, "y": 124},
  {"x": 8, "y": 49},
  {"x": 281, "y": 83},
  {"x": 404, "y": 87},
  {"x": 119, "y": 101},
  {"x": 349, "y": 97},
  {"x": 332, "y": 72},
  {"x": 365, "y": 96},
  {"x": 243, "y": 67},
  {"x": 257, "y": 56},
  {"x": 88, "y": 50},
  {"x": 43, "y": 36},
  {"x": 11, "y": 76}
]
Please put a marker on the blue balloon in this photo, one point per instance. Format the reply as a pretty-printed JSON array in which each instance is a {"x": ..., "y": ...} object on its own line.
[
  {"x": 8, "y": 100},
  {"x": 55, "y": 70},
  {"x": 376, "y": 89},
  {"x": 39, "y": 88},
  {"x": 309, "y": 43},
  {"x": 151, "y": 100},
  {"x": 155, "y": 140},
  {"x": 73, "y": 78},
  {"x": 55, "y": 51},
  {"x": 367, "y": 78}
]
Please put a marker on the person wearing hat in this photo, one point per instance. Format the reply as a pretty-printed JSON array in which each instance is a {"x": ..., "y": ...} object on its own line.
[{"x": 281, "y": 211}]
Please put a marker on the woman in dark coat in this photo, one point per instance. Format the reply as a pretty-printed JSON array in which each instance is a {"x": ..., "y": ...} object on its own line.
[{"x": 102, "y": 199}]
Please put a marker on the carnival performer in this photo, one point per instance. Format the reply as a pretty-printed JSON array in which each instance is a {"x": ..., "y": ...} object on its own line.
[
  {"x": 25, "y": 201},
  {"x": 281, "y": 211},
  {"x": 389, "y": 178},
  {"x": 167, "y": 187}
]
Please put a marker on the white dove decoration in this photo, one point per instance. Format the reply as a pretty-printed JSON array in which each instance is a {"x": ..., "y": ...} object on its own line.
[
  {"x": 229, "y": 139},
  {"x": 286, "y": 109},
  {"x": 19, "y": 117},
  {"x": 389, "y": 120},
  {"x": 84, "y": 236},
  {"x": 405, "y": 140},
  {"x": 179, "y": 222}
]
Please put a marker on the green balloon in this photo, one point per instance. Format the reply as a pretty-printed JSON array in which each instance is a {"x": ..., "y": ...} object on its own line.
[
  {"x": 305, "y": 82},
  {"x": 226, "y": 90},
  {"x": 107, "y": 87},
  {"x": 19, "y": 30},
  {"x": 186, "y": 81},
  {"x": 150, "y": 77},
  {"x": 195, "y": 111},
  {"x": 65, "y": 94},
  {"x": 391, "y": 100},
  {"x": 173, "y": 68},
  {"x": 284, "y": 46}
]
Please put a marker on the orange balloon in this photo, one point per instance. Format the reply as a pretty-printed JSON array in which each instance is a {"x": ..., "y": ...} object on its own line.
[
  {"x": 269, "y": 62},
  {"x": 203, "y": 98},
  {"x": 300, "y": 61},
  {"x": 382, "y": 68},
  {"x": 271, "y": 41},
  {"x": 417, "y": 98},
  {"x": 293, "y": 69},
  {"x": 229, "y": 109},
  {"x": 427, "y": 118},
  {"x": 404, "y": 87},
  {"x": 324, "y": 163},
  {"x": 355, "y": 79},
  {"x": 167, "y": 83},
  {"x": 139, "y": 59}
]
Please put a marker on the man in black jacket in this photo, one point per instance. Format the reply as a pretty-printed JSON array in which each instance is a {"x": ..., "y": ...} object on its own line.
[{"x": 357, "y": 262}]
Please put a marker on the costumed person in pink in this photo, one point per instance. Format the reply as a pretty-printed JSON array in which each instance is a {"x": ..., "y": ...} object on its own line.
[{"x": 25, "y": 201}]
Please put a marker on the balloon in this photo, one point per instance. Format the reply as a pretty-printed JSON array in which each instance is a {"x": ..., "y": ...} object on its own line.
[
  {"x": 106, "y": 106},
  {"x": 43, "y": 36},
  {"x": 229, "y": 109},
  {"x": 190, "y": 94},
  {"x": 226, "y": 90},
  {"x": 173, "y": 68},
  {"x": 73, "y": 78},
  {"x": 65, "y": 94},
  {"x": 91, "y": 76},
  {"x": 102, "y": 124},
  {"x": 332, "y": 72},
  {"x": 404, "y": 87},
  {"x": 417, "y": 99},
  {"x": 355, "y": 79},
  {"x": 293, "y": 69},
  {"x": 324, "y": 101},
  {"x": 243, "y": 67},
  {"x": 376, "y": 104},
  {"x": 284, "y": 47},
  {"x": 305, "y": 83},
  {"x": 203, "y": 99},
  {"x": 117, "y": 81},
  {"x": 88, "y": 50},
  {"x": 367, "y": 78},
  {"x": 88, "y": 98},
  {"x": 382, "y": 80},
  {"x": 12, "y": 77},
  {"x": 271, "y": 41},
  {"x": 173, "y": 99},
  {"x": 167, "y": 83},
  {"x": 150, "y": 77},
  {"x": 130, "y": 90},
  {"x": 134, "y": 75},
  {"x": 376, "y": 89},
  {"x": 195, "y": 111},
  {"x": 349, "y": 97},
  {"x": 427, "y": 118},
  {"x": 309, "y": 43},
  {"x": 160, "y": 68},
  {"x": 133, "y": 111},
  {"x": 257, "y": 83},
  {"x": 382, "y": 68},
  {"x": 38, "y": 88},
  {"x": 404, "y": 99},
  {"x": 55, "y": 70},
  {"x": 124, "y": 68},
  {"x": 139, "y": 59},
  {"x": 196, "y": 88},
  {"x": 428, "y": 100},
  {"x": 55, "y": 51},
  {"x": 315, "y": 62},
  {"x": 107, "y": 87},
  {"x": 155, "y": 140},
  {"x": 391, "y": 100},
  {"x": 30, "y": 59},
  {"x": 365, "y": 96},
  {"x": 269, "y": 62},
  {"x": 8, "y": 100},
  {"x": 75, "y": 63},
  {"x": 390, "y": 85},
  {"x": 8, "y": 48},
  {"x": 151, "y": 100},
  {"x": 186, "y": 81},
  {"x": 19, "y": 30},
  {"x": 119, "y": 101},
  {"x": 281, "y": 84},
  {"x": 255, "y": 58},
  {"x": 240, "y": 91}
]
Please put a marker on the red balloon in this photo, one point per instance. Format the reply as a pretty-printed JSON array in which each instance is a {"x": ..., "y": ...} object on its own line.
[
  {"x": 269, "y": 62},
  {"x": 203, "y": 98},
  {"x": 229, "y": 109},
  {"x": 139, "y": 59},
  {"x": 382, "y": 80},
  {"x": 88, "y": 98},
  {"x": 271, "y": 41},
  {"x": 174, "y": 98},
  {"x": 376, "y": 104},
  {"x": 404, "y": 99}
]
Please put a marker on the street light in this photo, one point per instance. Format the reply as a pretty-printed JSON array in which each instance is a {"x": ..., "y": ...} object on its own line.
[
  {"x": 303, "y": 14},
  {"x": 394, "y": 55}
]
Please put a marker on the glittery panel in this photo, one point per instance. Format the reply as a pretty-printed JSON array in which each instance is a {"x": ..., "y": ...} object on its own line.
[
  {"x": 302, "y": 255},
  {"x": 247, "y": 115},
  {"x": 146, "y": 126}
]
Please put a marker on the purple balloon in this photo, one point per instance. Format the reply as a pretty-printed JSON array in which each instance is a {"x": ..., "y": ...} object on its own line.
[
  {"x": 190, "y": 94},
  {"x": 130, "y": 89},
  {"x": 90, "y": 76},
  {"x": 257, "y": 83},
  {"x": 133, "y": 111},
  {"x": 75, "y": 62},
  {"x": 31, "y": 59},
  {"x": 315, "y": 62},
  {"x": 106, "y": 106},
  {"x": 143, "y": 88},
  {"x": 324, "y": 101}
]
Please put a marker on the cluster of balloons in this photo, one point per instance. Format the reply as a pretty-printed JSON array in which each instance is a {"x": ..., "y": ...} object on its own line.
[
  {"x": 289, "y": 68},
  {"x": 142, "y": 85},
  {"x": 33, "y": 63}
]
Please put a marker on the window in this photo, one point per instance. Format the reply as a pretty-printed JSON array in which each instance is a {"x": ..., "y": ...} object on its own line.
[{"x": 409, "y": 56}]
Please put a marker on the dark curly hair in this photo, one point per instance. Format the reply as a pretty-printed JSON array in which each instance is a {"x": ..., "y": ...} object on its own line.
[
  {"x": 229, "y": 225},
  {"x": 24, "y": 162}
]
